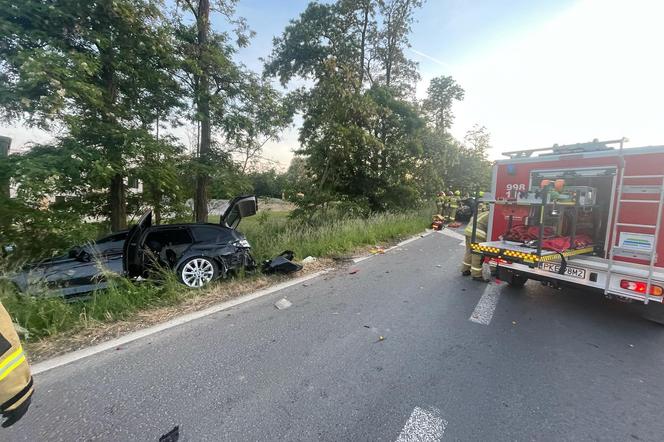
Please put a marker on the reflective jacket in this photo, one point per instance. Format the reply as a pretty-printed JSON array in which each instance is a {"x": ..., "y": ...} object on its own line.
[
  {"x": 15, "y": 378},
  {"x": 454, "y": 202},
  {"x": 482, "y": 225}
]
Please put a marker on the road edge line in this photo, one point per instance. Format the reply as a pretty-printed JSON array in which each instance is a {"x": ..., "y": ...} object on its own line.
[
  {"x": 427, "y": 232},
  {"x": 77, "y": 355}
]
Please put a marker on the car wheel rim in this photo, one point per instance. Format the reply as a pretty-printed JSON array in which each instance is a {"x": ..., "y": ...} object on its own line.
[{"x": 197, "y": 272}]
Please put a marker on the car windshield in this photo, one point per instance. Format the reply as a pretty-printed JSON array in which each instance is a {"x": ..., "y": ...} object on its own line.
[{"x": 331, "y": 220}]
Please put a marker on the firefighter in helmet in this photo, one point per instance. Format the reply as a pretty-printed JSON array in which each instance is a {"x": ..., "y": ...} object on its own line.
[
  {"x": 454, "y": 205},
  {"x": 15, "y": 378},
  {"x": 472, "y": 263}
]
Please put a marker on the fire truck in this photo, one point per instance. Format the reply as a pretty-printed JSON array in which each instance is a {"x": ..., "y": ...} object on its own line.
[{"x": 585, "y": 215}]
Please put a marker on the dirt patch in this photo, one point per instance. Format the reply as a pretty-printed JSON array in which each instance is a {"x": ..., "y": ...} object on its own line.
[{"x": 77, "y": 339}]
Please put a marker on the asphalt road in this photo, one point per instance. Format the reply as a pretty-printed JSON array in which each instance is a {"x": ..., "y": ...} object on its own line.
[{"x": 544, "y": 365}]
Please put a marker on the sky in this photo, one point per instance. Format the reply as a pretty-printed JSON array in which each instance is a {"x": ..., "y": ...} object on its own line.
[{"x": 535, "y": 72}]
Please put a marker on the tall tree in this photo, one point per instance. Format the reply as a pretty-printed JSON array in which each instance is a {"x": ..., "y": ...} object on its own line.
[
  {"x": 442, "y": 92},
  {"x": 94, "y": 67},
  {"x": 399, "y": 72},
  {"x": 359, "y": 137},
  {"x": 210, "y": 75}
]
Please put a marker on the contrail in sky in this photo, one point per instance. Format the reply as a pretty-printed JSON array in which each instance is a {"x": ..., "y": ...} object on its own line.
[{"x": 429, "y": 57}]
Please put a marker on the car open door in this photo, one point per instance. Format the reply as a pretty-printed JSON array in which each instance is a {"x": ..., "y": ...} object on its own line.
[
  {"x": 238, "y": 208},
  {"x": 132, "y": 262}
]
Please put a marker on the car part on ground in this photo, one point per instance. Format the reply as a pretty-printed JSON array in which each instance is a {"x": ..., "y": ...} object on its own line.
[{"x": 282, "y": 263}]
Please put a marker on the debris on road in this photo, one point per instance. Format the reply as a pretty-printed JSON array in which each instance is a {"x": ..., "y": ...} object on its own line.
[
  {"x": 438, "y": 265},
  {"x": 309, "y": 259},
  {"x": 513, "y": 322},
  {"x": 283, "y": 303},
  {"x": 381, "y": 338},
  {"x": 281, "y": 263},
  {"x": 353, "y": 271},
  {"x": 377, "y": 250},
  {"x": 367, "y": 326},
  {"x": 171, "y": 436}
]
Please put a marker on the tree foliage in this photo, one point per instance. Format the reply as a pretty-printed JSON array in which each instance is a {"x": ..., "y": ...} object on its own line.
[
  {"x": 99, "y": 69},
  {"x": 443, "y": 91},
  {"x": 367, "y": 144},
  {"x": 109, "y": 78}
]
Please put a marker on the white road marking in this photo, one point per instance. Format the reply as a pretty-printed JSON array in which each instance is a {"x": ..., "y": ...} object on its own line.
[
  {"x": 453, "y": 234},
  {"x": 84, "y": 353},
  {"x": 423, "y": 425},
  {"x": 486, "y": 305}
]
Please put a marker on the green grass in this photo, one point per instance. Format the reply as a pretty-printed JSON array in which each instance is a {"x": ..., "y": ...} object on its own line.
[{"x": 270, "y": 233}]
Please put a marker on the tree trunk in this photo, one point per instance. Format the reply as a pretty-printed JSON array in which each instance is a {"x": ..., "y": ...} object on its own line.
[
  {"x": 203, "y": 108},
  {"x": 365, "y": 24},
  {"x": 116, "y": 192},
  {"x": 118, "y": 203}
]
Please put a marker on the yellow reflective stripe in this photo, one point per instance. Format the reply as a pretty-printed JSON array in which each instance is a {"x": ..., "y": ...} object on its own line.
[
  {"x": 11, "y": 368},
  {"x": 11, "y": 357},
  {"x": 476, "y": 268}
]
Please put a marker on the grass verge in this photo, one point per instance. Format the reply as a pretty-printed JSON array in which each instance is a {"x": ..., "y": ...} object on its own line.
[{"x": 46, "y": 320}]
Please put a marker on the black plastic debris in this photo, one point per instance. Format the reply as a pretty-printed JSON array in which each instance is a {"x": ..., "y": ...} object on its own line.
[
  {"x": 282, "y": 263},
  {"x": 171, "y": 436}
]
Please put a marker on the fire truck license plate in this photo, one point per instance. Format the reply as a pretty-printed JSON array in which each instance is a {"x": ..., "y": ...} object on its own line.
[{"x": 553, "y": 267}]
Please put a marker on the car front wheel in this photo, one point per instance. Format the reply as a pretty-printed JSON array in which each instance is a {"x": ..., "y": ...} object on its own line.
[{"x": 198, "y": 272}]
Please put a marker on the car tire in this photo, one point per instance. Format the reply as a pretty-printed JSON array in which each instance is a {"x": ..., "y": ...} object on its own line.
[
  {"x": 514, "y": 280},
  {"x": 198, "y": 272}
]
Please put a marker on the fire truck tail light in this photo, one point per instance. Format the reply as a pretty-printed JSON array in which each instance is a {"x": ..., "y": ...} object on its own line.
[{"x": 640, "y": 287}]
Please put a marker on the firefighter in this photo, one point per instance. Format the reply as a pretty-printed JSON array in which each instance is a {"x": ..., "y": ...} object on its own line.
[
  {"x": 472, "y": 263},
  {"x": 446, "y": 206},
  {"x": 454, "y": 205},
  {"x": 15, "y": 378},
  {"x": 440, "y": 203},
  {"x": 482, "y": 207}
]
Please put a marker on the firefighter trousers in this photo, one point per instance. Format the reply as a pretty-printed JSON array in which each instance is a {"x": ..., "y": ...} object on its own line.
[{"x": 471, "y": 261}]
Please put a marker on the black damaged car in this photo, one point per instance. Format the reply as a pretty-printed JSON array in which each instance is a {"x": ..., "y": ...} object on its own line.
[{"x": 198, "y": 253}]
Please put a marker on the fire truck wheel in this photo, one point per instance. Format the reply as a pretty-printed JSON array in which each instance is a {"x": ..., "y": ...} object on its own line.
[{"x": 513, "y": 279}]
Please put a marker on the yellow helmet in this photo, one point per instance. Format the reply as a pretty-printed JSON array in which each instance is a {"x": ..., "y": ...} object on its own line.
[
  {"x": 457, "y": 193},
  {"x": 481, "y": 193}
]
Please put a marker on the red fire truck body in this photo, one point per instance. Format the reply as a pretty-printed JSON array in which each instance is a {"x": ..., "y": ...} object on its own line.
[{"x": 626, "y": 257}]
